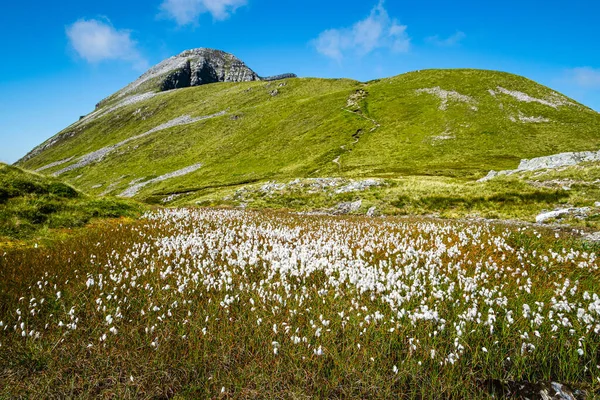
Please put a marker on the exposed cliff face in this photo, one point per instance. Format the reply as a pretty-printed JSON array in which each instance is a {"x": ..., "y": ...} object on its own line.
[
  {"x": 191, "y": 68},
  {"x": 204, "y": 66}
]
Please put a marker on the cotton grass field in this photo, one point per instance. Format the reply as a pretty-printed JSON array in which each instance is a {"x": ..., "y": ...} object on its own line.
[{"x": 223, "y": 303}]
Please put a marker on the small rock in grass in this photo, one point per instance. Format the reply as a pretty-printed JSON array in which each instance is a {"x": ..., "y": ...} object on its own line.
[
  {"x": 347, "y": 207},
  {"x": 581, "y": 212}
]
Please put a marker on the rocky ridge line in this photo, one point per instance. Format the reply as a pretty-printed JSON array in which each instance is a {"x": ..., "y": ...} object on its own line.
[{"x": 101, "y": 153}]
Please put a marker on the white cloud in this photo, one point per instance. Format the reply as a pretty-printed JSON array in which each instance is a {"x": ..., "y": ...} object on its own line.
[
  {"x": 447, "y": 42},
  {"x": 97, "y": 40},
  {"x": 378, "y": 30},
  {"x": 186, "y": 12},
  {"x": 585, "y": 77}
]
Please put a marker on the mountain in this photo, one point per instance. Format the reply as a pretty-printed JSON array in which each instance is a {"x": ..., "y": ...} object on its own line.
[
  {"x": 224, "y": 126},
  {"x": 191, "y": 68}
]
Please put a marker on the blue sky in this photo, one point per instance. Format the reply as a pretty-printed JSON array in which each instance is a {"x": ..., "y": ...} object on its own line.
[{"x": 60, "y": 58}]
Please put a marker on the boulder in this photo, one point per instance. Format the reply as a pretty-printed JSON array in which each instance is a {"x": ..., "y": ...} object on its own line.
[
  {"x": 548, "y": 162},
  {"x": 581, "y": 212},
  {"x": 347, "y": 207}
]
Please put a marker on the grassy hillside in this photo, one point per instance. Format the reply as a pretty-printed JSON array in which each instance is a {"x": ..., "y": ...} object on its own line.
[
  {"x": 448, "y": 123},
  {"x": 31, "y": 204}
]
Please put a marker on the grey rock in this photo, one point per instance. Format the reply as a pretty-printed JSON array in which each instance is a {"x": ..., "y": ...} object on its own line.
[
  {"x": 278, "y": 77},
  {"x": 548, "y": 162},
  {"x": 554, "y": 101},
  {"x": 558, "y": 160},
  {"x": 133, "y": 190},
  {"x": 196, "y": 67},
  {"x": 271, "y": 187},
  {"x": 49, "y": 143},
  {"x": 99, "y": 154},
  {"x": 313, "y": 185},
  {"x": 490, "y": 175},
  {"x": 137, "y": 98},
  {"x": 193, "y": 68},
  {"x": 446, "y": 96},
  {"x": 592, "y": 237},
  {"x": 564, "y": 184},
  {"x": 171, "y": 197},
  {"x": 112, "y": 186},
  {"x": 356, "y": 186},
  {"x": 371, "y": 212},
  {"x": 581, "y": 212},
  {"x": 347, "y": 207},
  {"x": 54, "y": 164},
  {"x": 353, "y": 102}
]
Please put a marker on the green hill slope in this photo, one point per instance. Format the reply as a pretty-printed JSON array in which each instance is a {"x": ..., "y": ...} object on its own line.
[
  {"x": 453, "y": 123},
  {"x": 31, "y": 204}
]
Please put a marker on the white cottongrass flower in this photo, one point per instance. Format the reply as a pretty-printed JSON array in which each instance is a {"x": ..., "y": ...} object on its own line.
[{"x": 319, "y": 351}]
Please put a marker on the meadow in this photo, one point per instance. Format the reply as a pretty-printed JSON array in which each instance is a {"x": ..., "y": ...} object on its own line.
[{"x": 227, "y": 303}]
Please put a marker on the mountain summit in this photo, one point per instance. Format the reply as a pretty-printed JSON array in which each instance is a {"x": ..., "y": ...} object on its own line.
[{"x": 193, "y": 67}]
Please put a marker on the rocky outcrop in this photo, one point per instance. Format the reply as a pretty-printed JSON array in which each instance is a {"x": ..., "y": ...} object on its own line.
[
  {"x": 359, "y": 186},
  {"x": 277, "y": 77},
  {"x": 137, "y": 186},
  {"x": 580, "y": 212},
  {"x": 48, "y": 143},
  {"x": 446, "y": 96},
  {"x": 347, "y": 207},
  {"x": 204, "y": 66},
  {"x": 194, "y": 68},
  {"x": 548, "y": 162},
  {"x": 99, "y": 154}
]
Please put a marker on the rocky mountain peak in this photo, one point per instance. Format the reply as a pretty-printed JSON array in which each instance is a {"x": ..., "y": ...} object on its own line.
[
  {"x": 194, "y": 67},
  {"x": 201, "y": 66}
]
